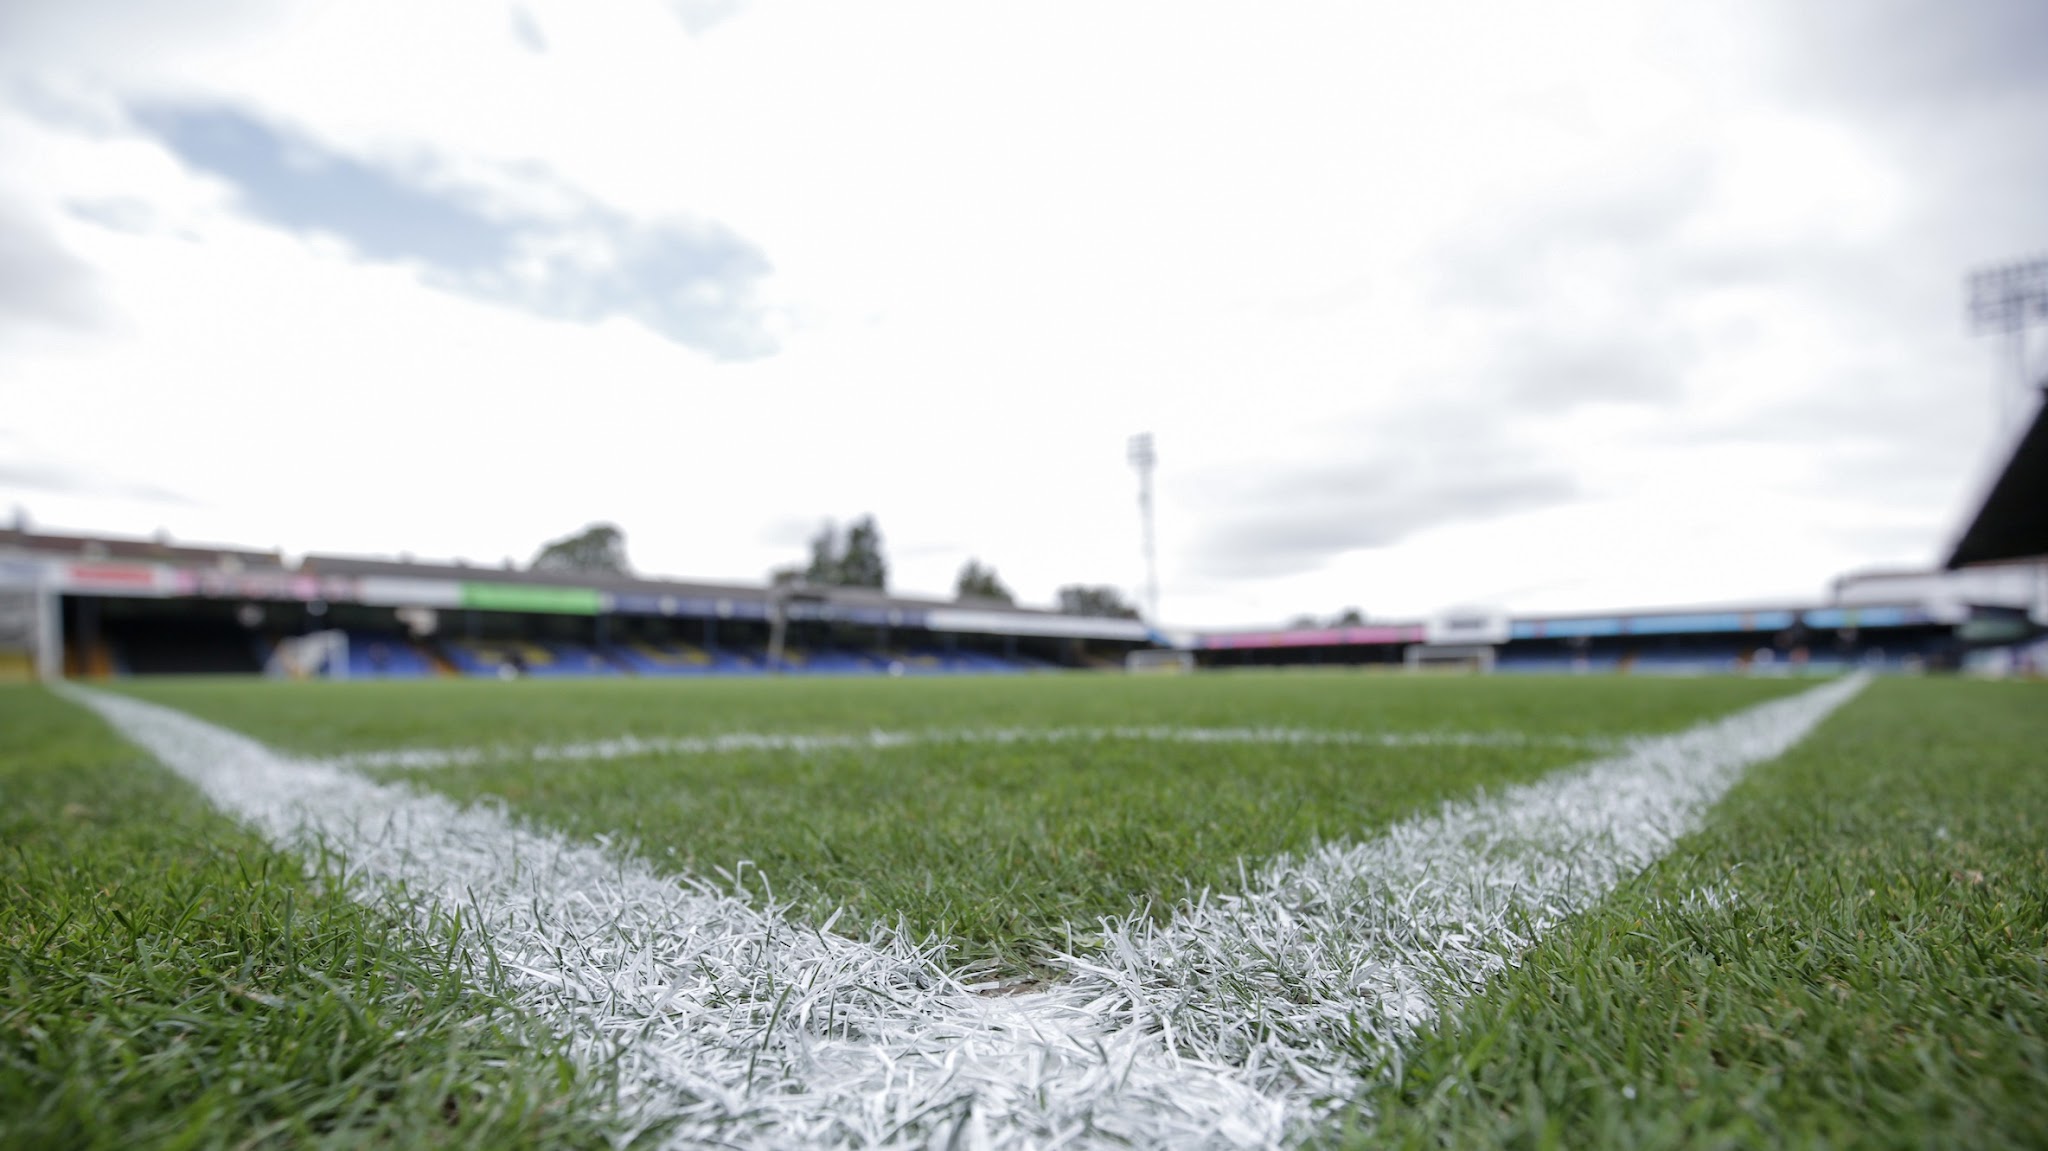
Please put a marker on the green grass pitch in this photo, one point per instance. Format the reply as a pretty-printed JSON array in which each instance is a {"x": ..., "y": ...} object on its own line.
[{"x": 1853, "y": 951}]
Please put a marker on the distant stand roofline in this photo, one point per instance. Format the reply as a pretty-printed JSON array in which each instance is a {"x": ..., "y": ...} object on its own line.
[
  {"x": 328, "y": 564},
  {"x": 2012, "y": 521},
  {"x": 88, "y": 549},
  {"x": 1755, "y": 618},
  {"x": 323, "y": 564},
  {"x": 135, "y": 548},
  {"x": 970, "y": 613},
  {"x": 1737, "y": 607}
]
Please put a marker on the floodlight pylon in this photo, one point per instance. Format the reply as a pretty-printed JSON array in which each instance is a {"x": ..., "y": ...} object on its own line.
[
  {"x": 1144, "y": 458},
  {"x": 2007, "y": 300}
]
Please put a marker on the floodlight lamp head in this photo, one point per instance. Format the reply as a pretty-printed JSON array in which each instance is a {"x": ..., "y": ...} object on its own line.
[
  {"x": 1142, "y": 455},
  {"x": 2008, "y": 298}
]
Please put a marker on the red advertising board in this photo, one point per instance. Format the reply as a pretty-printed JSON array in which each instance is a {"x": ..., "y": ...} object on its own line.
[{"x": 111, "y": 577}]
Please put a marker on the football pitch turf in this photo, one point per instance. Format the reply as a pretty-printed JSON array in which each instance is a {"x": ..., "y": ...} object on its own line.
[{"x": 1850, "y": 948}]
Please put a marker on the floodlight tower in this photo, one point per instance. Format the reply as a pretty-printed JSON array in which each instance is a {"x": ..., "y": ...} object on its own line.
[
  {"x": 2008, "y": 300},
  {"x": 1144, "y": 459}
]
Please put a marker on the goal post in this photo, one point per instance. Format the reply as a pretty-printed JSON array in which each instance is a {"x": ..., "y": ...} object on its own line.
[
  {"x": 1466, "y": 657},
  {"x": 320, "y": 654},
  {"x": 1160, "y": 661}
]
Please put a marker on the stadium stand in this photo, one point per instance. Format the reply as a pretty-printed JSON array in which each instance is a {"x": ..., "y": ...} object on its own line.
[
  {"x": 2006, "y": 541},
  {"x": 181, "y": 647},
  {"x": 830, "y": 661},
  {"x": 386, "y": 655},
  {"x": 1757, "y": 640},
  {"x": 90, "y": 607},
  {"x": 99, "y": 607},
  {"x": 661, "y": 659},
  {"x": 538, "y": 658},
  {"x": 2011, "y": 523}
]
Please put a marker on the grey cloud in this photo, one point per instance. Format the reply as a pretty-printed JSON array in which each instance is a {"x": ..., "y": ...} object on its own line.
[
  {"x": 692, "y": 281},
  {"x": 1541, "y": 371},
  {"x": 1510, "y": 260},
  {"x": 35, "y": 35},
  {"x": 1952, "y": 97},
  {"x": 1909, "y": 53},
  {"x": 1954, "y": 93},
  {"x": 1603, "y": 292},
  {"x": 700, "y": 16},
  {"x": 527, "y": 31},
  {"x": 1631, "y": 248},
  {"x": 1288, "y": 520},
  {"x": 39, "y": 280},
  {"x": 119, "y": 213},
  {"x": 1544, "y": 350}
]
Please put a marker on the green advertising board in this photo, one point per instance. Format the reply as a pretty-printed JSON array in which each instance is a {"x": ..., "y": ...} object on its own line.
[{"x": 530, "y": 597}]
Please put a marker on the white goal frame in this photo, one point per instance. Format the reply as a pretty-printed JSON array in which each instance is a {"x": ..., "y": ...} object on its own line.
[
  {"x": 317, "y": 655},
  {"x": 1159, "y": 661},
  {"x": 1471, "y": 657}
]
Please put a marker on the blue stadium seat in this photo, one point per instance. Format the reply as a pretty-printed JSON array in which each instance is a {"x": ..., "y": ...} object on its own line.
[
  {"x": 546, "y": 660},
  {"x": 668, "y": 658},
  {"x": 383, "y": 655}
]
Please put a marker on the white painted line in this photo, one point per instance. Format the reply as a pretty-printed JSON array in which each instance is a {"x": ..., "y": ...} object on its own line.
[
  {"x": 1232, "y": 1026},
  {"x": 1356, "y": 947},
  {"x": 632, "y": 746}
]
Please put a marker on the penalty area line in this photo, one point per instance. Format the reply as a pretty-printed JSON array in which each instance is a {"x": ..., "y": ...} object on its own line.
[
  {"x": 630, "y": 746},
  {"x": 1235, "y": 1024}
]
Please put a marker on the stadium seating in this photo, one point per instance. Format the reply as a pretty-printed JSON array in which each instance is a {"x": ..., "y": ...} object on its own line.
[
  {"x": 919, "y": 663},
  {"x": 380, "y": 655},
  {"x": 932, "y": 661},
  {"x": 669, "y": 659},
  {"x": 1552, "y": 664},
  {"x": 549, "y": 659},
  {"x": 830, "y": 661},
  {"x": 490, "y": 658},
  {"x": 1684, "y": 663}
]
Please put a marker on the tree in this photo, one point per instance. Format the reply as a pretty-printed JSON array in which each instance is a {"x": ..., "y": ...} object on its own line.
[
  {"x": 597, "y": 548},
  {"x": 860, "y": 562},
  {"x": 824, "y": 566},
  {"x": 1349, "y": 617},
  {"x": 852, "y": 560},
  {"x": 978, "y": 582},
  {"x": 1103, "y": 601}
]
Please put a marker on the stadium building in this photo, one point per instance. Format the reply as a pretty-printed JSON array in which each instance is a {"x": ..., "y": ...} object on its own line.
[
  {"x": 1902, "y": 636},
  {"x": 1985, "y": 609},
  {"x": 2006, "y": 544},
  {"x": 94, "y": 606}
]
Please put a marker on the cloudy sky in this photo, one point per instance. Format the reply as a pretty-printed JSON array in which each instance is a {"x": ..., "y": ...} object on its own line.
[{"x": 1584, "y": 304}]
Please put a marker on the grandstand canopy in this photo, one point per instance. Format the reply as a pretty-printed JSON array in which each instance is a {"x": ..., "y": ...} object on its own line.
[
  {"x": 162, "y": 550},
  {"x": 2012, "y": 522}
]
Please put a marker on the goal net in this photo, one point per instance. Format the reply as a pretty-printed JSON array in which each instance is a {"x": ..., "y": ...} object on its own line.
[
  {"x": 1160, "y": 661},
  {"x": 1466, "y": 657},
  {"x": 322, "y": 653}
]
